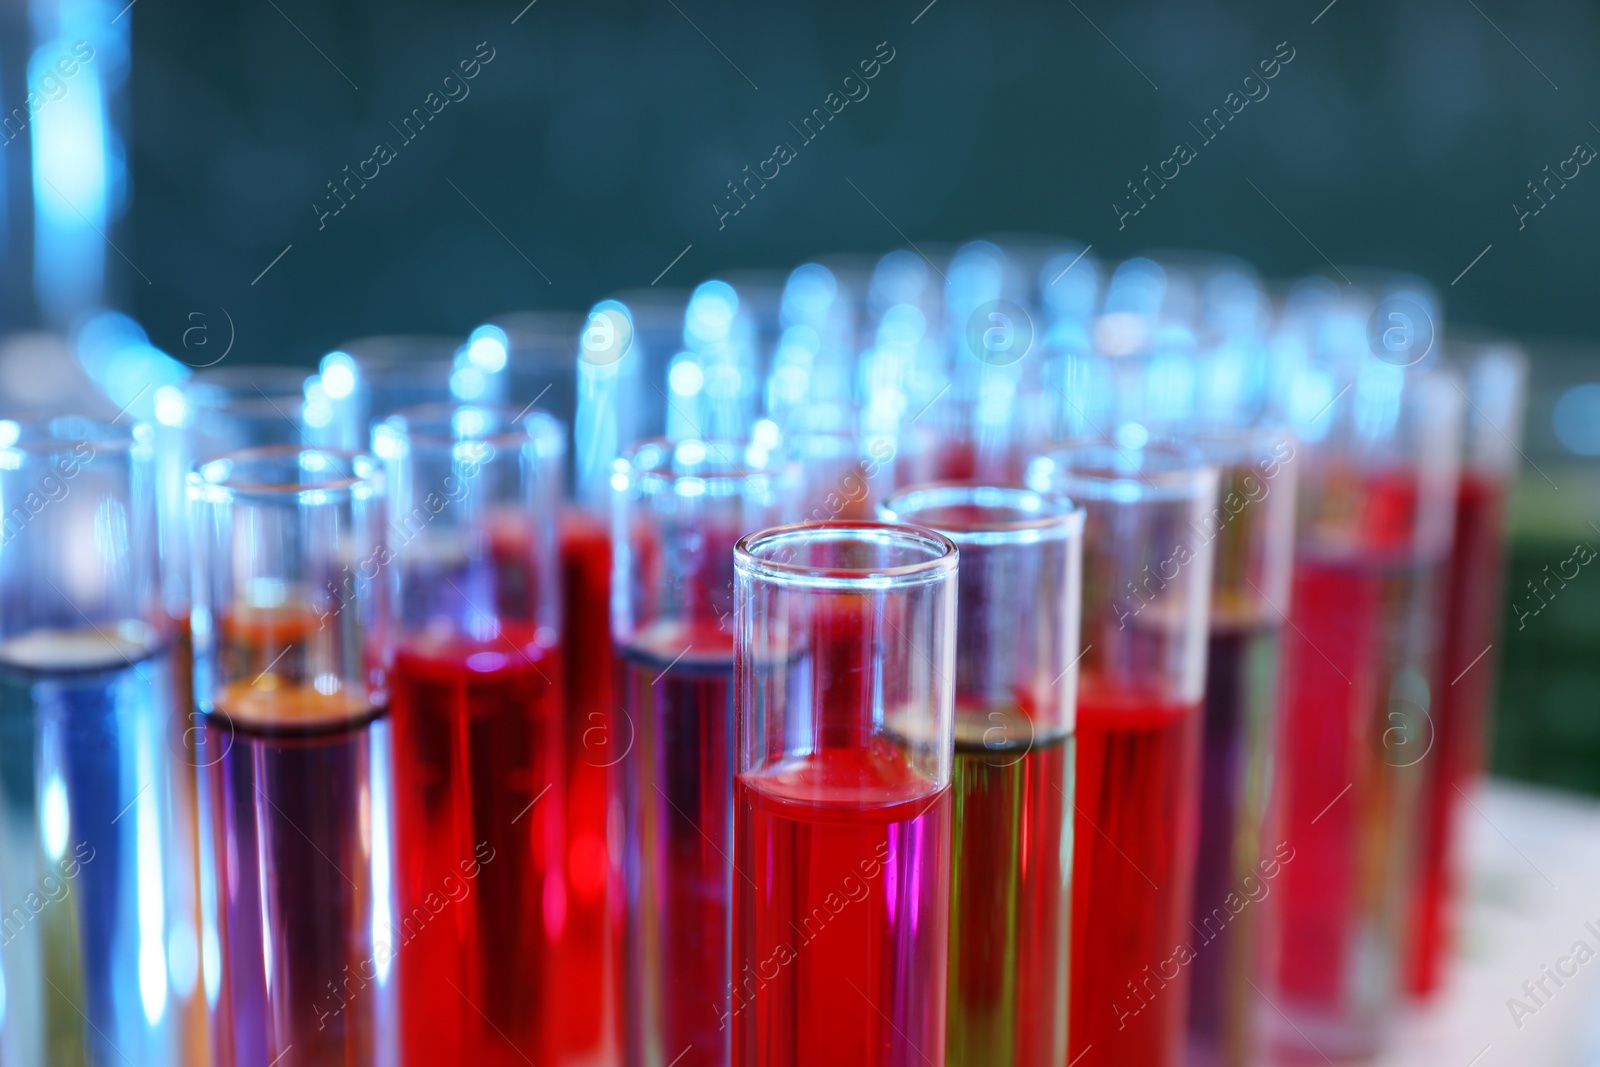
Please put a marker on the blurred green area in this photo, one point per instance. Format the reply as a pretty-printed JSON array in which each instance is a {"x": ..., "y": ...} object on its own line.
[
  {"x": 1547, "y": 726},
  {"x": 1547, "y": 720}
]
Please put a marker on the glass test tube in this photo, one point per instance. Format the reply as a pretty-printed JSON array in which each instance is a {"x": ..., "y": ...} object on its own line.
[
  {"x": 291, "y": 678},
  {"x": 476, "y": 708},
  {"x": 1147, "y": 591},
  {"x": 680, "y": 506},
  {"x": 845, "y": 473},
  {"x": 641, "y": 337},
  {"x": 578, "y": 370},
  {"x": 989, "y": 333},
  {"x": 575, "y": 374},
  {"x": 230, "y": 408},
  {"x": 844, "y": 688},
  {"x": 218, "y": 410},
  {"x": 1376, "y": 514},
  {"x": 86, "y": 767},
  {"x": 1496, "y": 380},
  {"x": 1242, "y": 846},
  {"x": 367, "y": 380},
  {"x": 1016, "y": 686},
  {"x": 540, "y": 352}
]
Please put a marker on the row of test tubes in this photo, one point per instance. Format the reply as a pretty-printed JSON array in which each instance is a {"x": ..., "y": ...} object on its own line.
[{"x": 995, "y": 658}]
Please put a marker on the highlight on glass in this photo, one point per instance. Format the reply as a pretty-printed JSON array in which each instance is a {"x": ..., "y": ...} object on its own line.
[
  {"x": 1146, "y": 600},
  {"x": 679, "y": 509},
  {"x": 93, "y": 953},
  {"x": 476, "y": 709},
  {"x": 844, "y": 693},
  {"x": 1376, "y": 514},
  {"x": 291, "y": 677},
  {"x": 1016, "y": 680}
]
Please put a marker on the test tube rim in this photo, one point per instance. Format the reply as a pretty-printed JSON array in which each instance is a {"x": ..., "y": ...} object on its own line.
[
  {"x": 652, "y": 479},
  {"x": 933, "y": 569},
  {"x": 534, "y": 426},
  {"x": 216, "y": 481},
  {"x": 1062, "y": 521},
  {"x": 1222, "y": 444},
  {"x": 43, "y": 436},
  {"x": 1183, "y": 475}
]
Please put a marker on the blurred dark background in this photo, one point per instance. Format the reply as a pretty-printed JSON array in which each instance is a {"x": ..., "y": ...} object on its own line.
[{"x": 597, "y": 139}]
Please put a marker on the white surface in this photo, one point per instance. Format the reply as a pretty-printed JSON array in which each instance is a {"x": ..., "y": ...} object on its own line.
[{"x": 1533, "y": 881}]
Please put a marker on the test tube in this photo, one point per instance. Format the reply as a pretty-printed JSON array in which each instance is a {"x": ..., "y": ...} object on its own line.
[
  {"x": 539, "y": 349},
  {"x": 1147, "y": 591},
  {"x": 844, "y": 689},
  {"x": 641, "y": 344},
  {"x": 367, "y": 380},
  {"x": 845, "y": 472},
  {"x": 1495, "y": 382},
  {"x": 289, "y": 620},
  {"x": 86, "y": 701},
  {"x": 990, "y": 331},
  {"x": 236, "y": 407},
  {"x": 1376, "y": 515},
  {"x": 1241, "y": 842},
  {"x": 680, "y": 506},
  {"x": 572, "y": 369},
  {"x": 622, "y": 354},
  {"x": 218, "y": 410},
  {"x": 476, "y": 708},
  {"x": 714, "y": 383},
  {"x": 1015, "y": 716},
  {"x": 812, "y": 376}
]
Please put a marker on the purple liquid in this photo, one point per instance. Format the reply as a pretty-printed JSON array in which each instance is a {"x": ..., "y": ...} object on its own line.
[
  {"x": 296, "y": 802},
  {"x": 1239, "y": 746},
  {"x": 677, "y": 789}
]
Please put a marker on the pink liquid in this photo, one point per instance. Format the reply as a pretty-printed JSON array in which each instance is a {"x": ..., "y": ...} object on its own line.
[
  {"x": 478, "y": 773},
  {"x": 840, "y": 912},
  {"x": 1471, "y": 615},
  {"x": 1350, "y": 800},
  {"x": 1133, "y": 873}
]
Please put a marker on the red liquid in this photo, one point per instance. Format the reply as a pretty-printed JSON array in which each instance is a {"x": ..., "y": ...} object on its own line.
[
  {"x": 676, "y": 785},
  {"x": 1133, "y": 872},
  {"x": 1350, "y": 799},
  {"x": 840, "y": 913},
  {"x": 955, "y": 460},
  {"x": 288, "y": 786},
  {"x": 1010, "y": 891},
  {"x": 478, "y": 783},
  {"x": 588, "y": 968},
  {"x": 1471, "y": 624}
]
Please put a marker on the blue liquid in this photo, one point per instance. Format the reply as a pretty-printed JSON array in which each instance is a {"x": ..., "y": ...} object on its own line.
[{"x": 85, "y": 821}]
